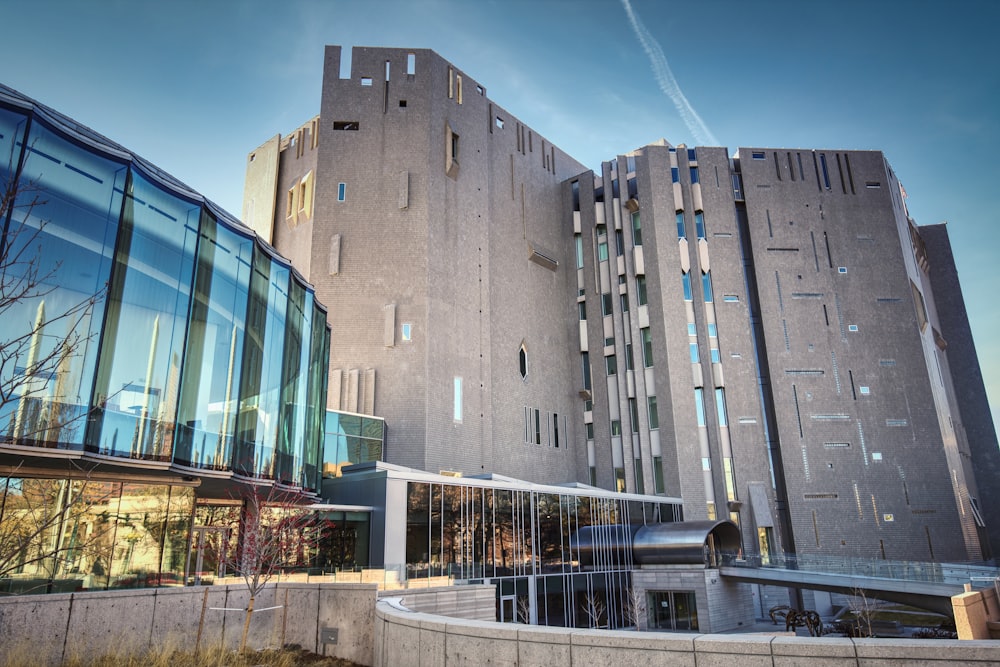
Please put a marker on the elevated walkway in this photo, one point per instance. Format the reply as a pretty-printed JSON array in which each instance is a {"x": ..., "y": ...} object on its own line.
[{"x": 925, "y": 585}]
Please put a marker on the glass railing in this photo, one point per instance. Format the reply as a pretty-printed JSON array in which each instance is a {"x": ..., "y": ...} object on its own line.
[{"x": 947, "y": 573}]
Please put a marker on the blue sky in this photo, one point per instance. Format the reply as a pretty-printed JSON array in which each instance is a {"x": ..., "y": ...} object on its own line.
[{"x": 195, "y": 85}]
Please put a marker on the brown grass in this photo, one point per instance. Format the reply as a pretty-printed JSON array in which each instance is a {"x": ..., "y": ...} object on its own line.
[{"x": 26, "y": 656}]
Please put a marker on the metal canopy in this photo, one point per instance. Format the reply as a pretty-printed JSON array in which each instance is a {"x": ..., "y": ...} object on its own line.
[{"x": 683, "y": 543}]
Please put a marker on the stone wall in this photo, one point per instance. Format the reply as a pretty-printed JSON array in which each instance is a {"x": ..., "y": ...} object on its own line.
[{"x": 404, "y": 638}]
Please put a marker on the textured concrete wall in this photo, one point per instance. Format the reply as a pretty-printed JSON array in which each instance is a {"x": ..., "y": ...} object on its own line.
[
  {"x": 404, "y": 638},
  {"x": 477, "y": 603},
  {"x": 52, "y": 628}
]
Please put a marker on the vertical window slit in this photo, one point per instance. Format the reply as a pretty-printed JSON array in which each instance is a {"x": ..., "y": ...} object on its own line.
[
  {"x": 795, "y": 401},
  {"x": 812, "y": 235},
  {"x": 840, "y": 169},
  {"x": 777, "y": 166},
  {"x": 850, "y": 174}
]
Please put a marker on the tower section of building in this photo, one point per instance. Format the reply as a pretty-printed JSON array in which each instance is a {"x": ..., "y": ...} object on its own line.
[
  {"x": 434, "y": 235},
  {"x": 874, "y": 462}
]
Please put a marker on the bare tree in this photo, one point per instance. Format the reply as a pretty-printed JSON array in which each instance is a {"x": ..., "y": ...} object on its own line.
[
  {"x": 275, "y": 532},
  {"x": 595, "y": 609},
  {"x": 864, "y": 609},
  {"x": 635, "y": 607},
  {"x": 524, "y": 609}
]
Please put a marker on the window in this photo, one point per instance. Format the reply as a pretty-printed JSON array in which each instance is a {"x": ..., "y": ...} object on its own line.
[
  {"x": 686, "y": 282},
  {"x": 590, "y": 431},
  {"x": 681, "y": 234},
  {"x": 715, "y": 355},
  {"x": 675, "y": 175},
  {"x": 606, "y": 301},
  {"x": 647, "y": 347},
  {"x": 731, "y": 298},
  {"x": 457, "y": 406},
  {"x": 602, "y": 251},
  {"x": 636, "y": 229},
  {"x": 623, "y": 300},
  {"x": 720, "y": 405},
  {"x": 586, "y": 370},
  {"x": 406, "y": 331},
  {"x": 366, "y": 81},
  {"x": 640, "y": 486},
  {"x": 699, "y": 405},
  {"x": 522, "y": 360},
  {"x": 694, "y": 175},
  {"x": 582, "y": 308},
  {"x": 629, "y": 361},
  {"x": 611, "y": 362},
  {"x": 654, "y": 416},
  {"x": 691, "y": 155},
  {"x": 616, "y": 427},
  {"x": 757, "y": 155},
  {"x": 695, "y": 357},
  {"x": 706, "y": 284},
  {"x": 538, "y": 427},
  {"x": 619, "y": 242},
  {"x": 692, "y": 329},
  {"x": 454, "y": 146},
  {"x": 633, "y": 414},
  {"x": 555, "y": 429},
  {"x": 640, "y": 289},
  {"x": 713, "y": 330},
  {"x": 620, "y": 480},
  {"x": 499, "y": 122},
  {"x": 658, "y": 475},
  {"x": 841, "y": 269},
  {"x": 852, "y": 327},
  {"x": 291, "y": 207},
  {"x": 411, "y": 63},
  {"x": 341, "y": 191},
  {"x": 699, "y": 224},
  {"x": 593, "y": 476},
  {"x": 608, "y": 342},
  {"x": 826, "y": 173},
  {"x": 865, "y": 390},
  {"x": 579, "y": 251}
]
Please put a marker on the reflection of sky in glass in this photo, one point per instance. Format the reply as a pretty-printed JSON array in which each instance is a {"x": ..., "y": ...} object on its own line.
[{"x": 351, "y": 439}]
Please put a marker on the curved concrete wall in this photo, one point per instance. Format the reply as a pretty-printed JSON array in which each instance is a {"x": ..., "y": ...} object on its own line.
[{"x": 408, "y": 639}]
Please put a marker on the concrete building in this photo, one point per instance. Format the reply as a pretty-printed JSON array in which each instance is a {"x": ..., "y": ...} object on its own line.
[{"x": 753, "y": 331}]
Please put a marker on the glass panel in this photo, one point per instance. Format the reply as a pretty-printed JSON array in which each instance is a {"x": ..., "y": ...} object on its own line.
[
  {"x": 319, "y": 360},
  {"x": 291, "y": 417},
  {"x": 206, "y": 418},
  {"x": 62, "y": 228},
  {"x": 135, "y": 395},
  {"x": 257, "y": 423}
]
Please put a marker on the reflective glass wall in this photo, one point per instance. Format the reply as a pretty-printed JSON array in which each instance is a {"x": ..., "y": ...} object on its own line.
[
  {"x": 87, "y": 535},
  {"x": 526, "y": 541},
  {"x": 140, "y": 322},
  {"x": 351, "y": 439}
]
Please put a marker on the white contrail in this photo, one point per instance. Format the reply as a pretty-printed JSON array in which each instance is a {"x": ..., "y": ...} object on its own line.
[{"x": 667, "y": 82}]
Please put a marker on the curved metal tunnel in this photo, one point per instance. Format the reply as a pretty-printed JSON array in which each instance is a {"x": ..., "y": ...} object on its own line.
[{"x": 681, "y": 543}]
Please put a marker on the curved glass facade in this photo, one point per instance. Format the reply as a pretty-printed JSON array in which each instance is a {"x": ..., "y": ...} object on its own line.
[{"x": 142, "y": 323}]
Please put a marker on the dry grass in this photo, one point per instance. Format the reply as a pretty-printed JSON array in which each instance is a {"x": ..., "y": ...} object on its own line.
[{"x": 27, "y": 656}]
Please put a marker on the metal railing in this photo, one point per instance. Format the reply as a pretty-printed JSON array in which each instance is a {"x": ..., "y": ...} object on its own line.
[{"x": 946, "y": 573}]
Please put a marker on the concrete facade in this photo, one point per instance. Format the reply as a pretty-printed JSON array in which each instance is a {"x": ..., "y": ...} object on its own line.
[
  {"x": 755, "y": 334},
  {"x": 721, "y": 605}
]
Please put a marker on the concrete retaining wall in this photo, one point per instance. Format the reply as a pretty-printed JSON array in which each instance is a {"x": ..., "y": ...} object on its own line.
[
  {"x": 405, "y": 638},
  {"x": 476, "y": 603},
  {"x": 51, "y": 628}
]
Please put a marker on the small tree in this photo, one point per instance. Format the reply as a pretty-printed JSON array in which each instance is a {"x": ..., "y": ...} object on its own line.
[
  {"x": 595, "y": 608},
  {"x": 276, "y": 531},
  {"x": 635, "y": 607},
  {"x": 524, "y": 609}
]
